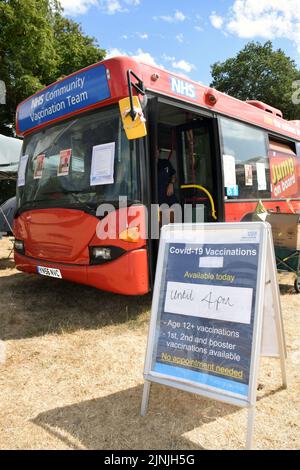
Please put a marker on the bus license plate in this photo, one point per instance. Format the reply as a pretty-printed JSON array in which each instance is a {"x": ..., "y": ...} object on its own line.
[{"x": 51, "y": 272}]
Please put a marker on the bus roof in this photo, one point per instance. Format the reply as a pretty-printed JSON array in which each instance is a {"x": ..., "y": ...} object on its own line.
[{"x": 105, "y": 83}]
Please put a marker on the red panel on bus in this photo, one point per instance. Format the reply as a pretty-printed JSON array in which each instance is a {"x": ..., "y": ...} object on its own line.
[
  {"x": 127, "y": 275},
  {"x": 61, "y": 235},
  {"x": 61, "y": 238}
]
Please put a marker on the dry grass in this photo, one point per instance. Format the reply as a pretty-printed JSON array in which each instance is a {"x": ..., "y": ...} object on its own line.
[{"x": 73, "y": 376}]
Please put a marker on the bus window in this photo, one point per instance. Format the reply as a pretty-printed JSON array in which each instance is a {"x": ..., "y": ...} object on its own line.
[
  {"x": 74, "y": 189},
  {"x": 245, "y": 147}
]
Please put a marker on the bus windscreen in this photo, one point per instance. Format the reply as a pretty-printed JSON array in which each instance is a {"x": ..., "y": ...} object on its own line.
[{"x": 59, "y": 164}]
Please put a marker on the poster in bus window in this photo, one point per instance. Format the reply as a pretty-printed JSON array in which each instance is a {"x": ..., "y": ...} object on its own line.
[
  {"x": 102, "y": 167},
  {"x": 261, "y": 176},
  {"x": 22, "y": 170},
  {"x": 39, "y": 167},
  {"x": 229, "y": 171},
  {"x": 248, "y": 175},
  {"x": 283, "y": 175},
  {"x": 64, "y": 162}
]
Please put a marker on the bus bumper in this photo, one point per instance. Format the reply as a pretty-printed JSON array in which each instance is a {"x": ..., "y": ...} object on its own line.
[{"x": 127, "y": 275}]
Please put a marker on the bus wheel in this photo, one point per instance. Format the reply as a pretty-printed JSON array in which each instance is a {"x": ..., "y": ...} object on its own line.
[{"x": 297, "y": 284}]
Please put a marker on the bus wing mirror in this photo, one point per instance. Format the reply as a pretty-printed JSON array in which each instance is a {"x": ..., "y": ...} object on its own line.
[{"x": 134, "y": 126}]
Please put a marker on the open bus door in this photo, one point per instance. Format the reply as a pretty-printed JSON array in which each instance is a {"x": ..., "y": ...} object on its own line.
[
  {"x": 199, "y": 167},
  {"x": 190, "y": 141}
]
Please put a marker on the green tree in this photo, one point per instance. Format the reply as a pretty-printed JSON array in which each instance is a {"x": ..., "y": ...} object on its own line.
[
  {"x": 261, "y": 73},
  {"x": 76, "y": 50},
  {"x": 38, "y": 45}
]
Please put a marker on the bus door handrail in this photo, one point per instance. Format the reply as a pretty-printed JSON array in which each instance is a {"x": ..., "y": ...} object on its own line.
[{"x": 197, "y": 186}]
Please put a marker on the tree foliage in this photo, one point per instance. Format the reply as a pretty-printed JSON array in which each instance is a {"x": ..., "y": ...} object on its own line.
[
  {"x": 261, "y": 73},
  {"x": 38, "y": 45}
]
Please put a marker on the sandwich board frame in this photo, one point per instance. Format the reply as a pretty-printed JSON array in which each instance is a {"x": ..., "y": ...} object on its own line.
[{"x": 265, "y": 316}]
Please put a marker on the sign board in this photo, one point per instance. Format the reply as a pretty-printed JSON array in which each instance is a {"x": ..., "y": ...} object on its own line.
[
  {"x": 208, "y": 307},
  {"x": 72, "y": 94},
  {"x": 136, "y": 128}
]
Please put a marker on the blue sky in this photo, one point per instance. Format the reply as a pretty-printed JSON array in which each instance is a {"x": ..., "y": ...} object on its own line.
[{"x": 187, "y": 36}]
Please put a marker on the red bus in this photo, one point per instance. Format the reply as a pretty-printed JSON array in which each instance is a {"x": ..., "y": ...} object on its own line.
[{"x": 228, "y": 155}]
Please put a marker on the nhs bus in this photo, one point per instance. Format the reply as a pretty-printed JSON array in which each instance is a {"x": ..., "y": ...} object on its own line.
[{"x": 92, "y": 139}]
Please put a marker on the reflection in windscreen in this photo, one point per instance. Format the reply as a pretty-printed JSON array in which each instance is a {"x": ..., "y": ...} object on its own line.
[{"x": 80, "y": 135}]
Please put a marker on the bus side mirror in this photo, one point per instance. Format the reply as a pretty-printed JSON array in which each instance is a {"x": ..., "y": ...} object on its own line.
[{"x": 133, "y": 120}]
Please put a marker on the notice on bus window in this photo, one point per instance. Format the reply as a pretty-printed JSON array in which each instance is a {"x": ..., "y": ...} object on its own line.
[
  {"x": 102, "y": 168},
  {"x": 248, "y": 175},
  {"x": 39, "y": 167},
  {"x": 261, "y": 176},
  {"x": 229, "y": 171},
  {"x": 64, "y": 162},
  {"x": 206, "y": 310},
  {"x": 22, "y": 170}
]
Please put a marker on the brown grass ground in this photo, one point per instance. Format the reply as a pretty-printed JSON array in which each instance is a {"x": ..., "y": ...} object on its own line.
[{"x": 73, "y": 376}]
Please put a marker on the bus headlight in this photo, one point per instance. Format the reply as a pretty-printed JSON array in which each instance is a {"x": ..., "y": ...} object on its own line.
[
  {"x": 101, "y": 253},
  {"x": 104, "y": 254},
  {"x": 19, "y": 246}
]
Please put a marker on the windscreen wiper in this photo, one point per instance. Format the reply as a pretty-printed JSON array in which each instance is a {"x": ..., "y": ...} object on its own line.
[{"x": 83, "y": 206}]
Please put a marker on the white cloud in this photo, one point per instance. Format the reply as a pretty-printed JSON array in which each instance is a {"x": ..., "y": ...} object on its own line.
[
  {"x": 77, "y": 7},
  {"x": 180, "y": 38},
  {"x": 135, "y": 35},
  {"x": 139, "y": 55},
  {"x": 183, "y": 65},
  {"x": 109, "y": 7},
  {"x": 168, "y": 58},
  {"x": 179, "y": 16},
  {"x": 176, "y": 18},
  {"x": 146, "y": 58},
  {"x": 114, "y": 52},
  {"x": 216, "y": 20},
  {"x": 268, "y": 19},
  {"x": 142, "y": 35}
]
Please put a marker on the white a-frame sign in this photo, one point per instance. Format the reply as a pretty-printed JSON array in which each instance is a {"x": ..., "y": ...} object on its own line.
[{"x": 216, "y": 309}]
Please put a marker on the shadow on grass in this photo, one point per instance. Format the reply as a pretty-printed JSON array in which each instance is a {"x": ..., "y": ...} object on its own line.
[
  {"x": 114, "y": 421},
  {"x": 7, "y": 263},
  {"x": 287, "y": 289},
  {"x": 262, "y": 395},
  {"x": 33, "y": 306}
]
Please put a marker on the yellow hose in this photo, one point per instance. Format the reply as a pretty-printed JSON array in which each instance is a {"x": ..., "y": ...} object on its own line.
[{"x": 197, "y": 186}]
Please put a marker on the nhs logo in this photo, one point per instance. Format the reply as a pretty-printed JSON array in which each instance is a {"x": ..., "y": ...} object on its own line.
[
  {"x": 180, "y": 87},
  {"x": 37, "y": 101}
]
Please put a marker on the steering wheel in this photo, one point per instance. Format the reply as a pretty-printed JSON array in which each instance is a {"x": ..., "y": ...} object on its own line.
[{"x": 208, "y": 196}]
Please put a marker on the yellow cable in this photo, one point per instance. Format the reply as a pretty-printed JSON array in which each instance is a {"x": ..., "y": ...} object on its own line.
[{"x": 197, "y": 186}]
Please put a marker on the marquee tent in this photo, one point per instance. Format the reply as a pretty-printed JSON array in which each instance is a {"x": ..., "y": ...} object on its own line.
[{"x": 10, "y": 150}]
